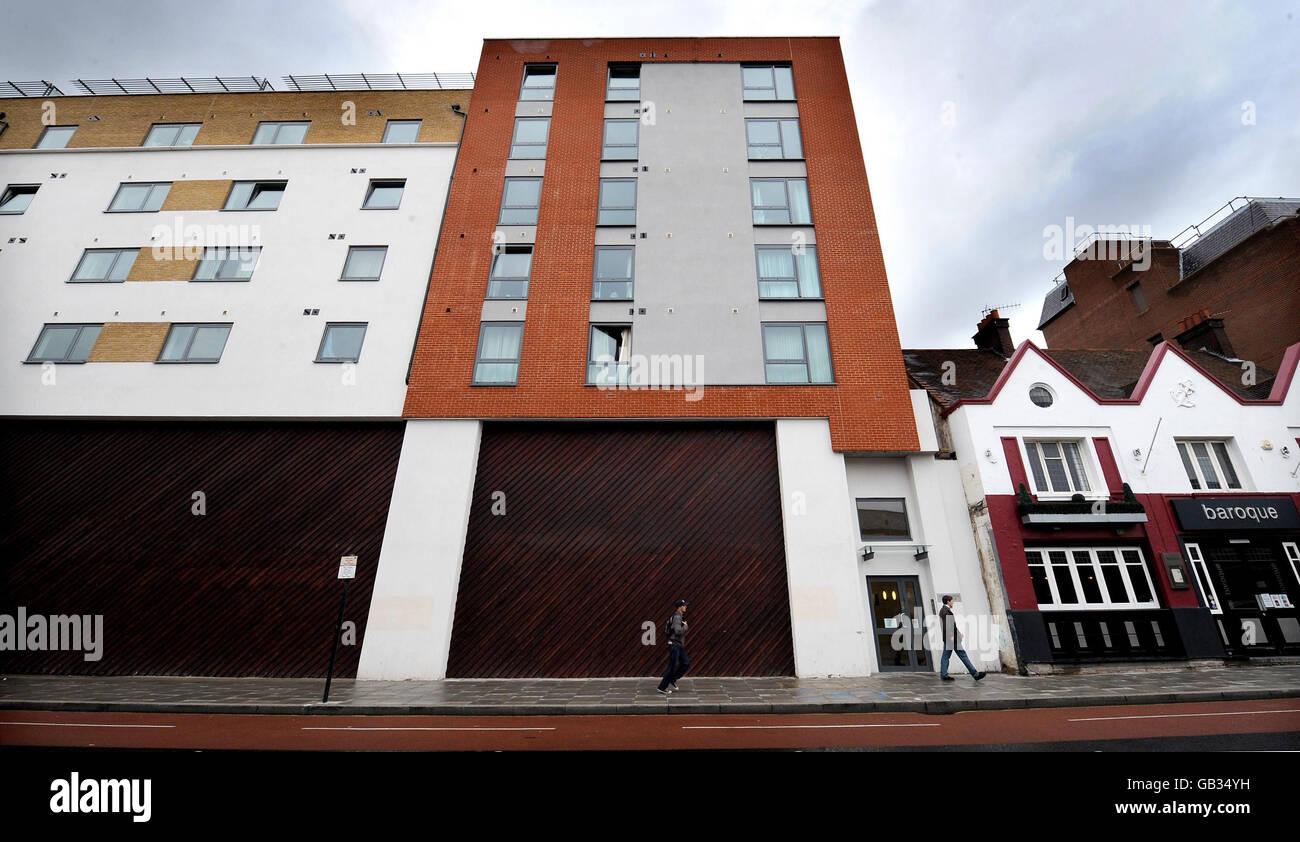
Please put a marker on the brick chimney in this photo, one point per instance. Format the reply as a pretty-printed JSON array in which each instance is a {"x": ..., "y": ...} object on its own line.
[
  {"x": 993, "y": 333},
  {"x": 1200, "y": 330}
]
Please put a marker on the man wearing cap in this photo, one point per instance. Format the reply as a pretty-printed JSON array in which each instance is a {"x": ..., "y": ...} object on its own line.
[{"x": 678, "y": 663}]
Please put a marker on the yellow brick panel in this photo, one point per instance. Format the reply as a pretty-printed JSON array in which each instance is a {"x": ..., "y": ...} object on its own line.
[
  {"x": 197, "y": 194},
  {"x": 163, "y": 265},
  {"x": 129, "y": 342},
  {"x": 231, "y": 119}
]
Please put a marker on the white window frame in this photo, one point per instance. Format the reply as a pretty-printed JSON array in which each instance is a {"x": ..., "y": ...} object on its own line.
[
  {"x": 1292, "y": 555},
  {"x": 1191, "y": 463},
  {"x": 1087, "y": 463},
  {"x": 1201, "y": 573},
  {"x": 1107, "y": 603}
]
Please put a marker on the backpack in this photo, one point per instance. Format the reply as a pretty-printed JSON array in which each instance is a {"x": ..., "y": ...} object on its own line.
[{"x": 668, "y": 628}]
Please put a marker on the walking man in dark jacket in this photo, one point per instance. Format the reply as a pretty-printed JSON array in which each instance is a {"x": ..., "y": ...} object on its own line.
[
  {"x": 678, "y": 663},
  {"x": 952, "y": 642}
]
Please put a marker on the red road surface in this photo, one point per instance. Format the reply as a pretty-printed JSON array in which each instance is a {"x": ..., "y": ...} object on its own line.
[{"x": 494, "y": 733}]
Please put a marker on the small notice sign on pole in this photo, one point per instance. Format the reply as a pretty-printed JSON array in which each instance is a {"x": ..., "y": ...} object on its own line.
[
  {"x": 347, "y": 571},
  {"x": 348, "y": 567}
]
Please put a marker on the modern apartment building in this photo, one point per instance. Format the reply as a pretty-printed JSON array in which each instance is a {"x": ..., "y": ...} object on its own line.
[
  {"x": 658, "y": 361},
  {"x": 211, "y": 290},
  {"x": 1228, "y": 284},
  {"x": 1129, "y": 505}
]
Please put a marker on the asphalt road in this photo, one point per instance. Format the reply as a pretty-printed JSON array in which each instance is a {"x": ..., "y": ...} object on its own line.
[{"x": 1248, "y": 725}]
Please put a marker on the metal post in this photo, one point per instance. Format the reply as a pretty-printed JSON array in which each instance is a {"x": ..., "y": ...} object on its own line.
[{"x": 338, "y": 632}]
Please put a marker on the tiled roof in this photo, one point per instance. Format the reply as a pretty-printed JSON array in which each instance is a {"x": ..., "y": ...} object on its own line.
[
  {"x": 1057, "y": 300},
  {"x": 1109, "y": 375}
]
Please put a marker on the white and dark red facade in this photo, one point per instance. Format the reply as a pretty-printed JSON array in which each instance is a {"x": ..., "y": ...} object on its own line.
[{"x": 1108, "y": 545}]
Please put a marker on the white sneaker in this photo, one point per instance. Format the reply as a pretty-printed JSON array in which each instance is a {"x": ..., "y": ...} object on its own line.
[
  {"x": 673, "y": 684},
  {"x": 665, "y": 692}
]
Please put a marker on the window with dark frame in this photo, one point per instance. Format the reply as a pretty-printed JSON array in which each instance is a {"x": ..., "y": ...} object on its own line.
[
  {"x": 788, "y": 272},
  {"x": 227, "y": 264},
  {"x": 104, "y": 265},
  {"x": 883, "y": 519},
  {"x": 16, "y": 198},
  {"x": 64, "y": 343},
  {"x": 341, "y": 342},
  {"x": 774, "y": 139},
  {"x": 512, "y": 266},
  {"x": 617, "y": 202},
  {"x": 194, "y": 343},
  {"x": 255, "y": 195},
  {"x": 608, "y": 353},
  {"x": 520, "y": 200},
  {"x": 140, "y": 197},
  {"x": 364, "y": 263},
  {"x": 621, "y": 140},
  {"x": 796, "y": 352},
  {"x": 780, "y": 201},
  {"x": 767, "y": 81},
  {"x": 497, "y": 361},
  {"x": 539, "y": 82},
  {"x": 530, "y": 137},
  {"x": 171, "y": 134},
  {"x": 613, "y": 273},
  {"x": 280, "y": 132},
  {"x": 384, "y": 194},
  {"x": 624, "y": 83}
]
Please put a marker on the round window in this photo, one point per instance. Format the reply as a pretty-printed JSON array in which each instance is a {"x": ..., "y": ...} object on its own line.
[{"x": 1041, "y": 396}]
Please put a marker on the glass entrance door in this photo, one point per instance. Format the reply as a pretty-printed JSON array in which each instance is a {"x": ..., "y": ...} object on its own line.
[
  {"x": 898, "y": 622},
  {"x": 1241, "y": 572}
]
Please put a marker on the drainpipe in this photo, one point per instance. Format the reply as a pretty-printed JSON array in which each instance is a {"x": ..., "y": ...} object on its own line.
[{"x": 455, "y": 109}]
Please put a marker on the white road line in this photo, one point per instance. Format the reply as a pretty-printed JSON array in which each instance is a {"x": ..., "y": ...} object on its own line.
[
  {"x": 1178, "y": 715},
  {"x": 85, "y": 725},
  {"x": 788, "y": 727},
  {"x": 474, "y": 728}
]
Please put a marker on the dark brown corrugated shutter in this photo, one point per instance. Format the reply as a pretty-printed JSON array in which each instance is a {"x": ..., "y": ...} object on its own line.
[
  {"x": 97, "y": 520},
  {"x": 605, "y": 526}
]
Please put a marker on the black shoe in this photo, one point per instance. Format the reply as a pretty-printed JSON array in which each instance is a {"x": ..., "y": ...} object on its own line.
[
  {"x": 947, "y": 678},
  {"x": 980, "y": 675}
]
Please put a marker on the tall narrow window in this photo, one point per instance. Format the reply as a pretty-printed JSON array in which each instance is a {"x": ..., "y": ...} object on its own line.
[
  {"x": 624, "y": 83},
  {"x": 613, "y": 272},
  {"x": 530, "y": 137},
  {"x": 1138, "y": 298},
  {"x": 780, "y": 201},
  {"x": 797, "y": 353},
  {"x": 788, "y": 272},
  {"x": 610, "y": 350},
  {"x": 621, "y": 139},
  {"x": 520, "y": 201},
  {"x": 497, "y": 362},
  {"x": 617, "y": 202},
  {"x": 539, "y": 82},
  {"x": 511, "y": 268}
]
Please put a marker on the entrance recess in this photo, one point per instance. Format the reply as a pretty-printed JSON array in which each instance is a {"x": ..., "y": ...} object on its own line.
[{"x": 898, "y": 622}]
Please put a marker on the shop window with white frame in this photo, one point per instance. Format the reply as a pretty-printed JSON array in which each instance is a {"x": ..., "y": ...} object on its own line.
[
  {"x": 1209, "y": 596},
  {"x": 1292, "y": 551},
  {"x": 1208, "y": 465},
  {"x": 1071, "y": 578},
  {"x": 1058, "y": 467}
]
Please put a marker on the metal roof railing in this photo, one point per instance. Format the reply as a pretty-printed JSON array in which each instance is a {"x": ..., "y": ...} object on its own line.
[
  {"x": 243, "y": 84},
  {"x": 381, "y": 82}
]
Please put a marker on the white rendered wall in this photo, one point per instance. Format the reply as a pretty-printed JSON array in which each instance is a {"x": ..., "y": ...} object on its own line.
[
  {"x": 267, "y": 368},
  {"x": 408, "y": 634},
  {"x": 826, "y": 604},
  {"x": 1212, "y": 414}
]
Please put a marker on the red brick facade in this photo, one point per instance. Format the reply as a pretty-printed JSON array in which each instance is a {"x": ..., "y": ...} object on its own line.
[
  {"x": 1254, "y": 288},
  {"x": 869, "y": 407}
]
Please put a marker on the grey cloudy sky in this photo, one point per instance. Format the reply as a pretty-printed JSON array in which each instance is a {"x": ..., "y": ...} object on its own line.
[{"x": 982, "y": 123}]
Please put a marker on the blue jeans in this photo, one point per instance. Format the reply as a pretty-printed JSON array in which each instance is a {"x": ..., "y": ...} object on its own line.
[
  {"x": 961, "y": 653},
  {"x": 678, "y": 664}
]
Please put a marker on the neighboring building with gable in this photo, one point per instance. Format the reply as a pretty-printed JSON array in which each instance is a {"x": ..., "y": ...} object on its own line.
[{"x": 1129, "y": 505}]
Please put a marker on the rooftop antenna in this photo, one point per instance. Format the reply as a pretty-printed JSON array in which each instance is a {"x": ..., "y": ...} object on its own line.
[{"x": 1001, "y": 308}]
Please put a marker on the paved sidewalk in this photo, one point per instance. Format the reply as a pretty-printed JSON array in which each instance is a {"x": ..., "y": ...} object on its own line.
[{"x": 879, "y": 693}]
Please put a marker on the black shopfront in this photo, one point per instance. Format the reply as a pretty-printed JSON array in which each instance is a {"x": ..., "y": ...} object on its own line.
[{"x": 1244, "y": 554}]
